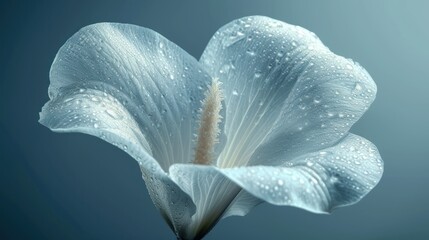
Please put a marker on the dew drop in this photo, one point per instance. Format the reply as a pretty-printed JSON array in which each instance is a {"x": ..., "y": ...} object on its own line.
[
  {"x": 250, "y": 52},
  {"x": 233, "y": 38},
  {"x": 333, "y": 179},
  {"x": 113, "y": 114},
  {"x": 358, "y": 87},
  {"x": 317, "y": 100},
  {"x": 68, "y": 100}
]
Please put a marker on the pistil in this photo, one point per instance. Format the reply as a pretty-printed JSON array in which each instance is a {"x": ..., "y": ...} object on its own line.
[{"x": 209, "y": 124}]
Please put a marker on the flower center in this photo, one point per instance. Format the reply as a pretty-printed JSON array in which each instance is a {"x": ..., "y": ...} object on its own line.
[{"x": 209, "y": 124}]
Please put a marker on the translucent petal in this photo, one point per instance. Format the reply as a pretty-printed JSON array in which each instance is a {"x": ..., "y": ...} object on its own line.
[
  {"x": 242, "y": 204},
  {"x": 319, "y": 181},
  {"x": 159, "y": 84},
  {"x": 96, "y": 113},
  {"x": 133, "y": 88},
  {"x": 284, "y": 91},
  {"x": 211, "y": 192}
]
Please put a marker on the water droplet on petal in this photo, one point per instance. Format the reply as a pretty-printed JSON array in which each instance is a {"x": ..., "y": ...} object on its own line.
[
  {"x": 113, "y": 114},
  {"x": 251, "y": 52},
  {"x": 68, "y": 100},
  {"x": 317, "y": 99},
  {"x": 233, "y": 38},
  {"x": 358, "y": 87}
]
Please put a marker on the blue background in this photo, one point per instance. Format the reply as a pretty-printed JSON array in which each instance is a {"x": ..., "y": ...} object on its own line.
[{"x": 74, "y": 186}]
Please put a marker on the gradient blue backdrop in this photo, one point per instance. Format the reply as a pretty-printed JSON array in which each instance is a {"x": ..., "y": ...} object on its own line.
[{"x": 74, "y": 186}]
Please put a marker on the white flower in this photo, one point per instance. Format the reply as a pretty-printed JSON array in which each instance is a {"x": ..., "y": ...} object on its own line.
[{"x": 262, "y": 117}]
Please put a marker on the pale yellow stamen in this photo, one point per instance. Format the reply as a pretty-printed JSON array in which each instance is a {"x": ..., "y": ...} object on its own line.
[{"x": 209, "y": 124}]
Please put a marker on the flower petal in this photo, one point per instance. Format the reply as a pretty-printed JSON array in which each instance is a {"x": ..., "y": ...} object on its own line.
[
  {"x": 242, "y": 204},
  {"x": 135, "y": 89},
  {"x": 96, "y": 113},
  {"x": 211, "y": 192},
  {"x": 319, "y": 181},
  {"x": 159, "y": 84},
  {"x": 283, "y": 89}
]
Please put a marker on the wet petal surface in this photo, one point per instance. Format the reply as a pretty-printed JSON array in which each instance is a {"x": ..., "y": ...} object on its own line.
[
  {"x": 159, "y": 84},
  {"x": 284, "y": 91},
  {"x": 135, "y": 89},
  {"x": 319, "y": 181}
]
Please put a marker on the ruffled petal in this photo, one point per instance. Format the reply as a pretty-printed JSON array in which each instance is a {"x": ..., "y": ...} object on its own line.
[
  {"x": 283, "y": 89},
  {"x": 318, "y": 182},
  {"x": 158, "y": 83},
  {"x": 96, "y": 113},
  {"x": 133, "y": 88}
]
